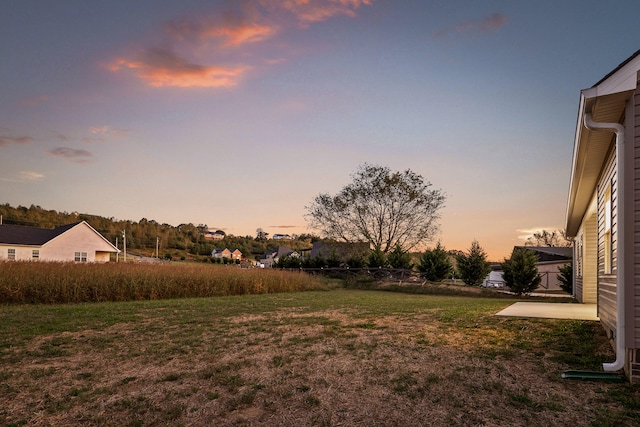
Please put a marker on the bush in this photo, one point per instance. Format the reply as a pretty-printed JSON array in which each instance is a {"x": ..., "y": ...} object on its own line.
[
  {"x": 333, "y": 260},
  {"x": 317, "y": 262},
  {"x": 566, "y": 278},
  {"x": 288, "y": 262},
  {"x": 356, "y": 262},
  {"x": 473, "y": 266},
  {"x": 435, "y": 264},
  {"x": 400, "y": 259},
  {"x": 520, "y": 272},
  {"x": 377, "y": 259}
]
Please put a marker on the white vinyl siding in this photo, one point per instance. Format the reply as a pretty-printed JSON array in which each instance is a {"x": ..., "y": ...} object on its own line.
[
  {"x": 635, "y": 231},
  {"x": 607, "y": 189}
]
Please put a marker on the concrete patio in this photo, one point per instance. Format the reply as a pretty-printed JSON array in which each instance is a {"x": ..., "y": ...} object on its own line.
[{"x": 547, "y": 310}]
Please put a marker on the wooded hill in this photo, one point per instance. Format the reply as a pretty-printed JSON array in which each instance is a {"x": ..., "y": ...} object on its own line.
[{"x": 184, "y": 240}]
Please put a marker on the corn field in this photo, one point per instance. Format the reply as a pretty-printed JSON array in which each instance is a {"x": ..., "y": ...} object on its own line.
[{"x": 57, "y": 283}]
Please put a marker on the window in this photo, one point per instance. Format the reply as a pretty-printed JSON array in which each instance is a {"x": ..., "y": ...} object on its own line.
[
  {"x": 35, "y": 254},
  {"x": 80, "y": 257},
  {"x": 11, "y": 254},
  {"x": 607, "y": 230}
]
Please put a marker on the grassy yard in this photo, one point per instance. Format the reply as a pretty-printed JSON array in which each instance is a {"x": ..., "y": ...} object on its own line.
[{"x": 341, "y": 357}]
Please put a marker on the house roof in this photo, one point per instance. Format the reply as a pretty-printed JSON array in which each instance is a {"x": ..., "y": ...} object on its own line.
[
  {"x": 221, "y": 251},
  {"x": 622, "y": 64},
  {"x": 546, "y": 253},
  {"x": 33, "y": 236},
  {"x": 277, "y": 253},
  {"x": 606, "y": 102},
  {"x": 30, "y": 236}
]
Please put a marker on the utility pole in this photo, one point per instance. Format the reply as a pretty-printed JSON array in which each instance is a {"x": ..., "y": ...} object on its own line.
[
  {"x": 124, "y": 238},
  {"x": 117, "y": 253},
  {"x": 157, "y": 246}
]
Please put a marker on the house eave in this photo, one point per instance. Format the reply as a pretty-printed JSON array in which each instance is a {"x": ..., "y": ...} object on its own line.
[
  {"x": 20, "y": 245},
  {"x": 605, "y": 101},
  {"x": 591, "y": 149}
]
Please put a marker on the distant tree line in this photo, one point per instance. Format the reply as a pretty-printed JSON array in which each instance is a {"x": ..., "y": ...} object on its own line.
[
  {"x": 435, "y": 264},
  {"x": 146, "y": 235}
]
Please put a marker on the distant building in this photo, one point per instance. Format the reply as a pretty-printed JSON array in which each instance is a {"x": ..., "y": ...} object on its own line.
[
  {"x": 236, "y": 254},
  {"x": 221, "y": 253},
  {"x": 269, "y": 258},
  {"x": 78, "y": 242},
  {"x": 215, "y": 235},
  {"x": 226, "y": 253},
  {"x": 549, "y": 260},
  {"x": 281, "y": 237}
]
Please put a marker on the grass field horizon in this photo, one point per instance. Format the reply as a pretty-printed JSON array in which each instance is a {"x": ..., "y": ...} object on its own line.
[{"x": 340, "y": 357}]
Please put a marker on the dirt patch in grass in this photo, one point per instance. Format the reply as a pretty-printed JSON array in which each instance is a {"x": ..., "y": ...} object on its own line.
[{"x": 301, "y": 367}]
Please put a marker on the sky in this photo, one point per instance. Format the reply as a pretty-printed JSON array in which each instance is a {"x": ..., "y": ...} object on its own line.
[{"x": 236, "y": 114}]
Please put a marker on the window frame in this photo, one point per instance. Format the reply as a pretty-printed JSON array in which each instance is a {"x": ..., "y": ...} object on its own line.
[
  {"x": 579, "y": 255},
  {"x": 608, "y": 249}
]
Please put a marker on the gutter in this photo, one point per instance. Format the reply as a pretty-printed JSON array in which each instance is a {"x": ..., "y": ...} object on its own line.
[{"x": 619, "y": 363}]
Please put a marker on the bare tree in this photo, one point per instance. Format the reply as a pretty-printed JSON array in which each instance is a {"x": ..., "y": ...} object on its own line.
[
  {"x": 555, "y": 238},
  {"x": 381, "y": 207}
]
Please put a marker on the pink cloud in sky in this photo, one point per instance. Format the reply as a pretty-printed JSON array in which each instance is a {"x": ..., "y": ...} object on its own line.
[
  {"x": 96, "y": 134},
  {"x": 161, "y": 68},
  {"x": 72, "y": 154},
  {"x": 97, "y": 130},
  {"x": 223, "y": 35},
  {"x": 30, "y": 176},
  {"x": 311, "y": 11},
  {"x": 251, "y": 33},
  {"x": 8, "y": 140},
  {"x": 109, "y": 131},
  {"x": 475, "y": 27},
  {"x": 232, "y": 30}
]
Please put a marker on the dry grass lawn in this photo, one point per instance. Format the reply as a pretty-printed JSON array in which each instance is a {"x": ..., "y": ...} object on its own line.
[{"x": 338, "y": 358}]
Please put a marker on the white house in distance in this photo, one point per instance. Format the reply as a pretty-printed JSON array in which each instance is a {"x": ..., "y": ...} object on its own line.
[
  {"x": 603, "y": 209},
  {"x": 270, "y": 258},
  {"x": 214, "y": 235},
  {"x": 77, "y": 242},
  {"x": 281, "y": 237}
]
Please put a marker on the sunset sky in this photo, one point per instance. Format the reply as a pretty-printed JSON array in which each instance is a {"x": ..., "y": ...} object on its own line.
[{"x": 236, "y": 114}]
